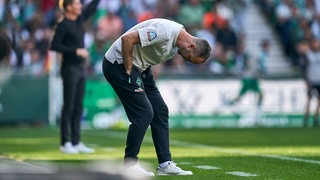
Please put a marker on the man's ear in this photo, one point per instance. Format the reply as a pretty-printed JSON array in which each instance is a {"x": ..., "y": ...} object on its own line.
[{"x": 192, "y": 46}]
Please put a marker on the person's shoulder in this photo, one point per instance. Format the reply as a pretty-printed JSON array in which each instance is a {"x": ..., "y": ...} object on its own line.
[
  {"x": 61, "y": 21},
  {"x": 171, "y": 25},
  {"x": 165, "y": 21}
]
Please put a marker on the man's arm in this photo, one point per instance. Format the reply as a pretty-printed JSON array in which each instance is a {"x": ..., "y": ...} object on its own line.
[
  {"x": 90, "y": 9},
  {"x": 56, "y": 44},
  {"x": 128, "y": 41}
]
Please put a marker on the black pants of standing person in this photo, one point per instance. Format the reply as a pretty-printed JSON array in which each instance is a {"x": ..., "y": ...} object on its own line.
[
  {"x": 144, "y": 106},
  {"x": 73, "y": 78}
]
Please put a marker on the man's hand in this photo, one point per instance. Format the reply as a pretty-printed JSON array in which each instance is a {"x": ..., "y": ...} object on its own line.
[
  {"x": 82, "y": 53},
  {"x": 128, "y": 71}
]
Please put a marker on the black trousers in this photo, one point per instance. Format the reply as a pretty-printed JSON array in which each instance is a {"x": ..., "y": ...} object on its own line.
[
  {"x": 144, "y": 106},
  {"x": 73, "y": 78}
]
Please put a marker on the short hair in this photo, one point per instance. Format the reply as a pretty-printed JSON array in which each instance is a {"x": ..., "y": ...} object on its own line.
[
  {"x": 203, "y": 48},
  {"x": 64, "y": 3}
]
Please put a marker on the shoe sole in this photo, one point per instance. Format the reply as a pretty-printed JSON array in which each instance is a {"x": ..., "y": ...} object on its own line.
[
  {"x": 172, "y": 174},
  {"x": 69, "y": 152},
  {"x": 65, "y": 152}
]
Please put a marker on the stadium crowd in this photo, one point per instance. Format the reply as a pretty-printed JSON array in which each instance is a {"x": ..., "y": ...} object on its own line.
[
  {"x": 30, "y": 25},
  {"x": 296, "y": 22}
]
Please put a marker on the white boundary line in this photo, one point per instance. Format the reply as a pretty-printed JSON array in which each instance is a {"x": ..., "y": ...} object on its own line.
[
  {"x": 228, "y": 150},
  {"x": 120, "y": 135},
  {"x": 9, "y": 165},
  {"x": 243, "y": 174},
  {"x": 206, "y": 167}
]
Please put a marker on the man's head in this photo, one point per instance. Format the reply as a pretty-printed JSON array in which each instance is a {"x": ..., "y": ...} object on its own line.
[
  {"x": 197, "y": 51},
  {"x": 71, "y": 6}
]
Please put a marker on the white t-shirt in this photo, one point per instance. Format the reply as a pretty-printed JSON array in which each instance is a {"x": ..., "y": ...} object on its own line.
[
  {"x": 313, "y": 68},
  {"x": 158, "y": 39}
]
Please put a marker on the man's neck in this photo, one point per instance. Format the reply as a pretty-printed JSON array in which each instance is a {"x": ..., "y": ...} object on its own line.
[
  {"x": 183, "y": 37},
  {"x": 71, "y": 16}
]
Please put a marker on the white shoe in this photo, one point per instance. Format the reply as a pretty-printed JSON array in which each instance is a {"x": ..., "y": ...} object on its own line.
[
  {"x": 82, "y": 148},
  {"x": 138, "y": 170},
  {"x": 172, "y": 169},
  {"x": 67, "y": 148}
]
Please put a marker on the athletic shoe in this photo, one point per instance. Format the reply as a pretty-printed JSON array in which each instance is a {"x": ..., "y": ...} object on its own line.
[
  {"x": 67, "y": 148},
  {"x": 138, "y": 170},
  {"x": 82, "y": 148},
  {"x": 172, "y": 169}
]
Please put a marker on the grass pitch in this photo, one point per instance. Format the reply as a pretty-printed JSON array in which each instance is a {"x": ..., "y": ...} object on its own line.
[{"x": 263, "y": 153}]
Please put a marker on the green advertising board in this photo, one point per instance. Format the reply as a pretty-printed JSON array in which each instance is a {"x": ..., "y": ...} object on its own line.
[
  {"x": 99, "y": 98},
  {"x": 24, "y": 99}
]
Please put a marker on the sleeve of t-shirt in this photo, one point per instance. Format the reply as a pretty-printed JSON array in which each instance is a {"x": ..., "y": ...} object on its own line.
[{"x": 151, "y": 35}]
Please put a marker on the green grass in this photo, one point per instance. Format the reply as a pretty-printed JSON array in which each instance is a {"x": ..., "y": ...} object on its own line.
[{"x": 270, "y": 153}]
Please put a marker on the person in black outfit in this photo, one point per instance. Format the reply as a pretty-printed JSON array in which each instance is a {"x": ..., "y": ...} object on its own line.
[{"x": 68, "y": 40}]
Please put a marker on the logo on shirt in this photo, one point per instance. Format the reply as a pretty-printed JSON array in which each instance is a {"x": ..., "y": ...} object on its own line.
[
  {"x": 151, "y": 36},
  {"x": 138, "y": 81}
]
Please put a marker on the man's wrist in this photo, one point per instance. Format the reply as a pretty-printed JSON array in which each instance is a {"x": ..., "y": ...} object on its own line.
[{"x": 128, "y": 71}]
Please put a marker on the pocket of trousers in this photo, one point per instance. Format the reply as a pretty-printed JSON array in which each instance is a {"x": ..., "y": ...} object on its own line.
[{"x": 135, "y": 77}]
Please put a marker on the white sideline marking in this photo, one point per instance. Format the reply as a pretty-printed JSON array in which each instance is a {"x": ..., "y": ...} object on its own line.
[
  {"x": 206, "y": 167},
  {"x": 186, "y": 163},
  {"x": 8, "y": 165},
  {"x": 243, "y": 174},
  {"x": 227, "y": 150},
  {"x": 120, "y": 135}
]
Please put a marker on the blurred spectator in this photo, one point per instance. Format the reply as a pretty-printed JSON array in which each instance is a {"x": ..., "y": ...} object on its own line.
[
  {"x": 238, "y": 10},
  {"x": 307, "y": 9},
  {"x": 284, "y": 14},
  {"x": 5, "y": 45},
  {"x": 127, "y": 14},
  {"x": 110, "y": 27},
  {"x": 141, "y": 6},
  {"x": 43, "y": 41},
  {"x": 30, "y": 22},
  {"x": 168, "y": 9},
  {"x": 295, "y": 21},
  {"x": 29, "y": 46},
  {"x": 191, "y": 14},
  {"x": 212, "y": 20},
  {"x": 228, "y": 41},
  {"x": 312, "y": 68},
  {"x": 35, "y": 67},
  {"x": 96, "y": 51},
  {"x": 315, "y": 26},
  {"x": 240, "y": 60}
]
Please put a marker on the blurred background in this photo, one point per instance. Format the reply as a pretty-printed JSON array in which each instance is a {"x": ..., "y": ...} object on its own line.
[{"x": 197, "y": 95}]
